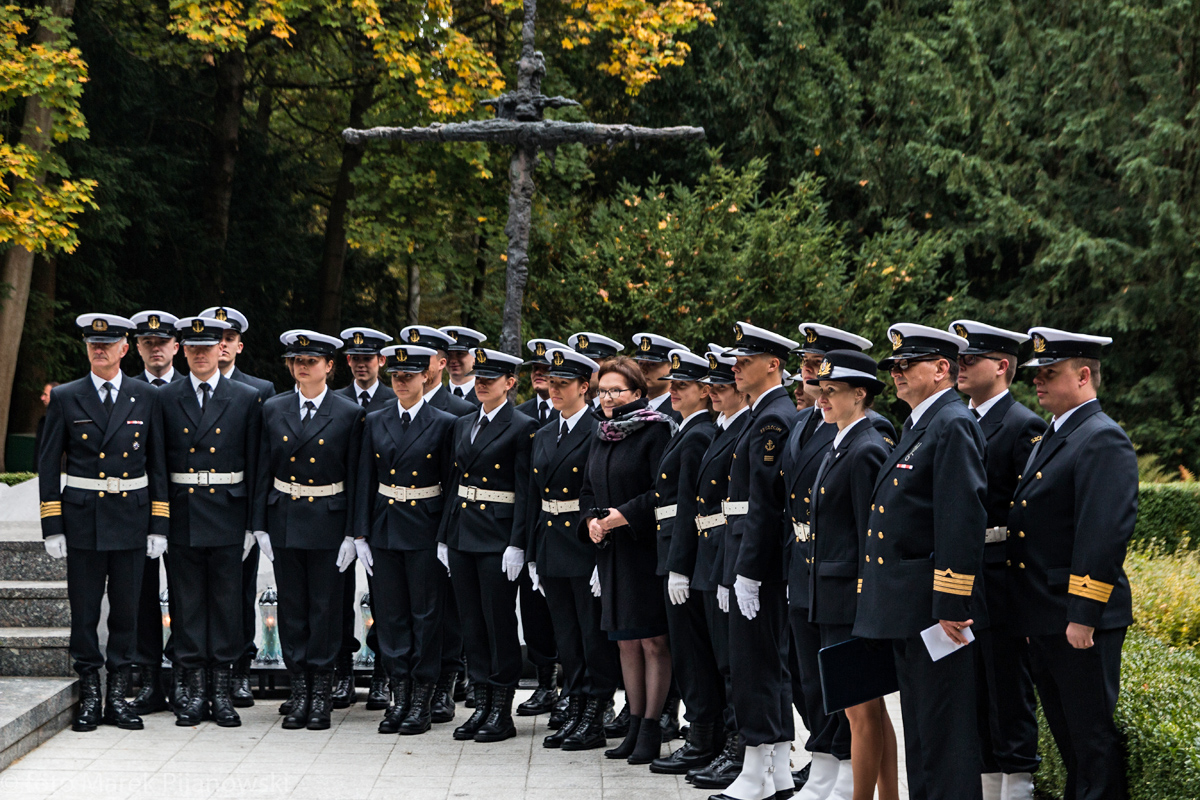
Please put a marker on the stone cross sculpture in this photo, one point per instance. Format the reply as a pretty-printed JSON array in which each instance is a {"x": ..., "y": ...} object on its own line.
[{"x": 519, "y": 122}]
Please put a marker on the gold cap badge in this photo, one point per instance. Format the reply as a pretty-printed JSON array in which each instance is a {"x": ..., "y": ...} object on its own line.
[
  {"x": 480, "y": 356},
  {"x": 358, "y": 337},
  {"x": 152, "y": 322},
  {"x": 539, "y": 349},
  {"x": 198, "y": 325},
  {"x": 583, "y": 343},
  {"x": 897, "y": 340},
  {"x": 99, "y": 325},
  {"x": 810, "y": 335},
  {"x": 558, "y": 358},
  {"x": 675, "y": 361},
  {"x": 645, "y": 346},
  {"x": 302, "y": 341},
  {"x": 961, "y": 330},
  {"x": 1039, "y": 343},
  {"x": 221, "y": 314},
  {"x": 825, "y": 370},
  {"x": 414, "y": 336}
]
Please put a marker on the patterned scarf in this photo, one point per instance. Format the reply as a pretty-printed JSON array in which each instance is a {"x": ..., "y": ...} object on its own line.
[{"x": 621, "y": 425}]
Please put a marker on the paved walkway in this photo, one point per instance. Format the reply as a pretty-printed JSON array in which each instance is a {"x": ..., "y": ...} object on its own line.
[{"x": 261, "y": 761}]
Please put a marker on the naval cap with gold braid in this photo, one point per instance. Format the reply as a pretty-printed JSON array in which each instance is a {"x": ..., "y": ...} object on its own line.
[
  {"x": 407, "y": 357},
  {"x": 104, "y": 328},
  {"x": 364, "y": 341},
  {"x": 1051, "y": 345}
]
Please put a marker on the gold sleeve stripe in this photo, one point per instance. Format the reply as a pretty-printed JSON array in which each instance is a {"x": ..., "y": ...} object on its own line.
[
  {"x": 860, "y": 585},
  {"x": 1089, "y": 587},
  {"x": 160, "y": 508},
  {"x": 948, "y": 582},
  {"x": 52, "y": 508}
]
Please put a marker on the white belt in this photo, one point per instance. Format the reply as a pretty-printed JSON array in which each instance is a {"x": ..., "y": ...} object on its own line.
[
  {"x": 108, "y": 484},
  {"x": 300, "y": 490},
  {"x": 995, "y": 535},
  {"x": 557, "y": 507},
  {"x": 801, "y": 529},
  {"x": 665, "y": 512},
  {"x": 475, "y": 495},
  {"x": 404, "y": 493},
  {"x": 732, "y": 509},
  {"x": 711, "y": 521},
  {"x": 207, "y": 478}
]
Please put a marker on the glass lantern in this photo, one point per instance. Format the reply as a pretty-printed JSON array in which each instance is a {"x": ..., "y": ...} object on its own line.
[
  {"x": 365, "y": 657},
  {"x": 268, "y": 604}
]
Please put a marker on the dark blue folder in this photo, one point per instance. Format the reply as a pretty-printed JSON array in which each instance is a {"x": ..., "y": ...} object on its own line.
[{"x": 855, "y": 671}]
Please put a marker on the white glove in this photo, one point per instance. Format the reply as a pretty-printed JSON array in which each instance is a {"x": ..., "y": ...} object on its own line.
[
  {"x": 155, "y": 545},
  {"x": 346, "y": 554},
  {"x": 747, "y": 596},
  {"x": 444, "y": 556},
  {"x": 56, "y": 545},
  {"x": 678, "y": 588},
  {"x": 533, "y": 579},
  {"x": 723, "y": 598},
  {"x": 264, "y": 544},
  {"x": 513, "y": 562},
  {"x": 595, "y": 581},
  {"x": 364, "y": 555},
  {"x": 248, "y": 545}
]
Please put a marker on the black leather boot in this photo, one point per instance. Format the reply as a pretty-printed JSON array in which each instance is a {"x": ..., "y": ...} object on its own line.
[
  {"x": 545, "y": 696},
  {"x": 378, "y": 695},
  {"x": 669, "y": 720},
  {"x": 87, "y": 716},
  {"x": 419, "y": 717},
  {"x": 588, "y": 733},
  {"x": 297, "y": 713},
  {"x": 499, "y": 724},
  {"x": 178, "y": 697},
  {"x": 321, "y": 703},
  {"x": 482, "y": 697},
  {"x": 343, "y": 694},
  {"x": 195, "y": 698},
  {"x": 559, "y": 715},
  {"x": 619, "y": 725},
  {"x": 116, "y": 707},
  {"x": 724, "y": 769},
  {"x": 800, "y": 776},
  {"x": 702, "y": 745},
  {"x": 223, "y": 712},
  {"x": 151, "y": 698},
  {"x": 649, "y": 742},
  {"x": 243, "y": 696},
  {"x": 398, "y": 710},
  {"x": 441, "y": 708},
  {"x": 464, "y": 691},
  {"x": 626, "y": 746},
  {"x": 575, "y": 706}
]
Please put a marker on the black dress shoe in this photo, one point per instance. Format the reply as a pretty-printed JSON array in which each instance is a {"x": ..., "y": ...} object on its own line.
[
  {"x": 398, "y": 710},
  {"x": 441, "y": 708},
  {"x": 116, "y": 707},
  {"x": 223, "y": 712},
  {"x": 724, "y": 768},
  {"x": 630, "y": 741},
  {"x": 619, "y": 725},
  {"x": 701, "y": 748},
  {"x": 242, "y": 694},
  {"x": 343, "y": 694},
  {"x": 800, "y": 776},
  {"x": 87, "y": 716},
  {"x": 321, "y": 703},
  {"x": 575, "y": 708},
  {"x": 378, "y": 695},
  {"x": 297, "y": 714},
  {"x": 545, "y": 696},
  {"x": 482, "y": 697},
  {"x": 151, "y": 698},
  {"x": 559, "y": 715},
  {"x": 195, "y": 698},
  {"x": 588, "y": 732},
  {"x": 499, "y": 724},
  {"x": 419, "y": 718},
  {"x": 669, "y": 719}
]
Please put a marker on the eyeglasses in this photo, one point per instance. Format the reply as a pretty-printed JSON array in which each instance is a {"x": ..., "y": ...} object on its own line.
[
  {"x": 612, "y": 393},
  {"x": 905, "y": 364},
  {"x": 970, "y": 360}
]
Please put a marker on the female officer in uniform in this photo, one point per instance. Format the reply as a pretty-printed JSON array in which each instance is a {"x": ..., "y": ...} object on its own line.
[
  {"x": 303, "y": 520},
  {"x": 841, "y": 500}
]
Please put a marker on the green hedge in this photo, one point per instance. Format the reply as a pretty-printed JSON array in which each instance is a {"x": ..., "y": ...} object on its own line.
[
  {"x": 1167, "y": 515},
  {"x": 13, "y": 478},
  {"x": 1157, "y": 714}
]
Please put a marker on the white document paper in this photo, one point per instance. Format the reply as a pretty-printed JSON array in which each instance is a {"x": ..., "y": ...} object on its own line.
[{"x": 940, "y": 645}]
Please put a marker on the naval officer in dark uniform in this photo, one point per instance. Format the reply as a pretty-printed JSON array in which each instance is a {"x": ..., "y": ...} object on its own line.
[
  {"x": 1007, "y": 720},
  {"x": 111, "y": 515},
  {"x": 213, "y": 432},
  {"x": 924, "y": 553},
  {"x": 404, "y": 467},
  {"x": 232, "y": 345},
  {"x": 157, "y": 346},
  {"x": 1073, "y": 512},
  {"x": 483, "y": 528},
  {"x": 755, "y": 568},
  {"x": 304, "y": 521},
  {"x": 652, "y": 354},
  {"x": 460, "y": 361}
]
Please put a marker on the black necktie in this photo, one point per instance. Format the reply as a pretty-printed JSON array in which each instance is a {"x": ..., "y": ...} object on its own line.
[
  {"x": 975, "y": 411},
  {"x": 457, "y": 391},
  {"x": 204, "y": 390},
  {"x": 814, "y": 419},
  {"x": 542, "y": 412},
  {"x": 1048, "y": 435},
  {"x": 158, "y": 382},
  {"x": 483, "y": 423},
  {"x": 363, "y": 399},
  {"x": 908, "y": 425},
  {"x": 405, "y": 419},
  {"x": 563, "y": 431},
  {"x": 311, "y": 407},
  {"x": 108, "y": 397}
]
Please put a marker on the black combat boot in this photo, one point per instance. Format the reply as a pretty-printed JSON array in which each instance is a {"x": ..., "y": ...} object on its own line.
[
  {"x": 223, "y": 712},
  {"x": 116, "y": 707},
  {"x": 398, "y": 710},
  {"x": 178, "y": 696},
  {"x": 669, "y": 720},
  {"x": 482, "y": 695},
  {"x": 343, "y": 694},
  {"x": 441, "y": 708},
  {"x": 574, "y": 713},
  {"x": 243, "y": 696},
  {"x": 702, "y": 745},
  {"x": 378, "y": 695},
  {"x": 321, "y": 703},
  {"x": 195, "y": 698},
  {"x": 588, "y": 733},
  {"x": 297, "y": 713},
  {"x": 559, "y": 715},
  {"x": 151, "y": 698},
  {"x": 419, "y": 717},
  {"x": 545, "y": 696},
  {"x": 499, "y": 724},
  {"x": 87, "y": 716},
  {"x": 724, "y": 769},
  {"x": 619, "y": 725}
]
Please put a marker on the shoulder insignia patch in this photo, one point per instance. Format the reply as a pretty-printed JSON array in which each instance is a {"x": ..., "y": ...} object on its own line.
[
  {"x": 889, "y": 441},
  {"x": 770, "y": 427},
  {"x": 1035, "y": 440}
]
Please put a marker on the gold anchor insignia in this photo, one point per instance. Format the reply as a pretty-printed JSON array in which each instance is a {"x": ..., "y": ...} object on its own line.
[
  {"x": 712, "y": 361},
  {"x": 401, "y": 355},
  {"x": 198, "y": 325},
  {"x": 99, "y": 325},
  {"x": 302, "y": 341},
  {"x": 810, "y": 335},
  {"x": 737, "y": 333},
  {"x": 558, "y": 358},
  {"x": 453, "y": 334},
  {"x": 221, "y": 315},
  {"x": 414, "y": 336},
  {"x": 481, "y": 356},
  {"x": 770, "y": 445},
  {"x": 358, "y": 337},
  {"x": 675, "y": 361},
  {"x": 583, "y": 343},
  {"x": 826, "y": 369},
  {"x": 152, "y": 323},
  {"x": 897, "y": 340},
  {"x": 539, "y": 349},
  {"x": 961, "y": 330},
  {"x": 1039, "y": 343},
  {"x": 645, "y": 344}
]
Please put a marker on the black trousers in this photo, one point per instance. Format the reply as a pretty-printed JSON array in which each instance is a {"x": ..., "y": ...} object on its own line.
[
  {"x": 758, "y": 654},
  {"x": 536, "y": 624},
  {"x": 250, "y": 602},
  {"x": 408, "y": 595},
  {"x": 453, "y": 658},
  {"x": 487, "y": 607},
  {"x": 149, "y": 624},
  {"x": 206, "y": 620},
  {"x": 941, "y": 737},
  {"x": 827, "y": 733},
  {"x": 717, "y": 622},
  {"x": 350, "y": 642},
  {"x": 1007, "y": 706},
  {"x": 1079, "y": 691},
  {"x": 310, "y": 608},
  {"x": 591, "y": 664},
  {"x": 88, "y": 573},
  {"x": 694, "y": 665}
]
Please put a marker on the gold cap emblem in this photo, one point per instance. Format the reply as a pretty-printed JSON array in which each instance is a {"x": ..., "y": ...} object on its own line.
[
  {"x": 737, "y": 332},
  {"x": 897, "y": 339},
  {"x": 1039, "y": 343},
  {"x": 583, "y": 343},
  {"x": 480, "y": 356},
  {"x": 414, "y": 336},
  {"x": 198, "y": 326},
  {"x": 539, "y": 349},
  {"x": 645, "y": 346},
  {"x": 401, "y": 355},
  {"x": 825, "y": 370},
  {"x": 810, "y": 335},
  {"x": 675, "y": 361},
  {"x": 302, "y": 341},
  {"x": 152, "y": 322},
  {"x": 712, "y": 361},
  {"x": 558, "y": 358},
  {"x": 99, "y": 325},
  {"x": 358, "y": 337},
  {"x": 961, "y": 330},
  {"x": 221, "y": 314},
  {"x": 453, "y": 334}
]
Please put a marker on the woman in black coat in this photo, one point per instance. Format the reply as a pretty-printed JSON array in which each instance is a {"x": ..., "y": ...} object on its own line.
[
  {"x": 618, "y": 508},
  {"x": 840, "y": 509}
]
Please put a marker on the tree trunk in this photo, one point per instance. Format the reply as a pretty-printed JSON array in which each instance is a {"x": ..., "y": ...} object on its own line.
[
  {"x": 18, "y": 262},
  {"x": 520, "y": 213},
  {"x": 227, "y": 118},
  {"x": 478, "y": 283},
  {"x": 31, "y": 363},
  {"x": 333, "y": 256},
  {"x": 414, "y": 293}
]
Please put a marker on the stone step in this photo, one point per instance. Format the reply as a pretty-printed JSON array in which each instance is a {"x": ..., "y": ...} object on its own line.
[
  {"x": 31, "y": 711},
  {"x": 35, "y": 652},
  {"x": 23, "y": 556},
  {"x": 34, "y": 604}
]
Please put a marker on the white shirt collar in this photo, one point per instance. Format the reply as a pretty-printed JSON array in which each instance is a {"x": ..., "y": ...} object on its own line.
[
  {"x": 924, "y": 405},
  {"x": 429, "y": 395},
  {"x": 412, "y": 412},
  {"x": 98, "y": 382},
  {"x": 465, "y": 387},
  {"x": 227, "y": 373},
  {"x": 720, "y": 421},
  {"x": 492, "y": 415},
  {"x": 370, "y": 390},
  {"x": 212, "y": 382},
  {"x": 986, "y": 406},
  {"x": 736, "y": 414},
  {"x": 691, "y": 417},
  {"x": 1058, "y": 421},
  {"x": 573, "y": 419},
  {"x": 657, "y": 402},
  {"x": 170, "y": 376},
  {"x": 837, "y": 440},
  {"x": 316, "y": 401},
  {"x": 764, "y": 395}
]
